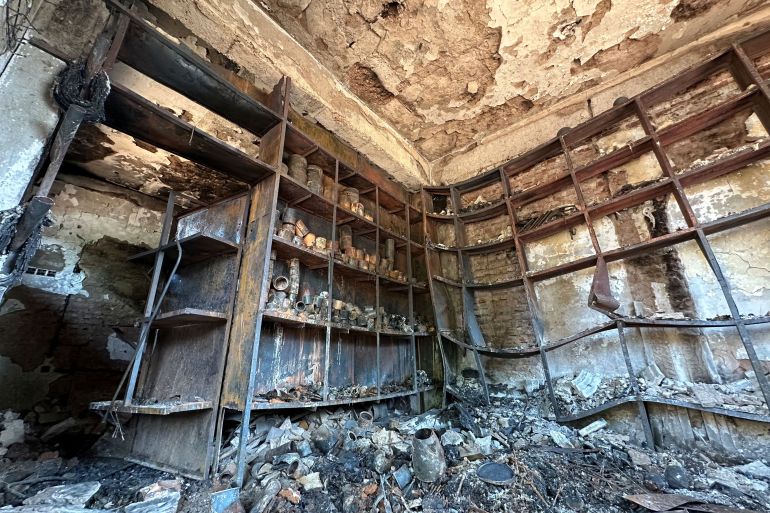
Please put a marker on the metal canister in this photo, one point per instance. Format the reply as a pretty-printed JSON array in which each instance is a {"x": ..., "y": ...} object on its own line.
[
  {"x": 349, "y": 197},
  {"x": 315, "y": 178},
  {"x": 390, "y": 249},
  {"x": 300, "y": 228},
  {"x": 320, "y": 243},
  {"x": 329, "y": 188},
  {"x": 290, "y": 215},
  {"x": 298, "y": 168},
  {"x": 346, "y": 237}
]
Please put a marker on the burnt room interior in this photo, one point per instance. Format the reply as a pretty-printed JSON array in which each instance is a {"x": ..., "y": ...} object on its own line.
[{"x": 384, "y": 257}]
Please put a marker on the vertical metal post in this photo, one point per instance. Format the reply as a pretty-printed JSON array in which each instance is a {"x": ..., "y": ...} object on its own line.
[
  {"x": 473, "y": 329},
  {"x": 165, "y": 234},
  {"x": 410, "y": 292},
  {"x": 529, "y": 292},
  {"x": 643, "y": 417}
]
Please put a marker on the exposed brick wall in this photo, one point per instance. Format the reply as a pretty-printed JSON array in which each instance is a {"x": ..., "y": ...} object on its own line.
[
  {"x": 504, "y": 317},
  {"x": 493, "y": 267},
  {"x": 491, "y": 193},
  {"x": 63, "y": 338},
  {"x": 486, "y": 230}
]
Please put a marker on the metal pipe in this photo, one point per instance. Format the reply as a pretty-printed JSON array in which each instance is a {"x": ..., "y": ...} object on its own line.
[{"x": 280, "y": 283}]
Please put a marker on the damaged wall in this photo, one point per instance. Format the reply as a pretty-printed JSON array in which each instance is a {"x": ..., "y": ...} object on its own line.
[{"x": 64, "y": 329}]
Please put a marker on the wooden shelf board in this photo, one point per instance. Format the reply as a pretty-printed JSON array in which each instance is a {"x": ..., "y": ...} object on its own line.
[
  {"x": 167, "y": 408},
  {"x": 286, "y": 250},
  {"x": 291, "y": 320},
  {"x": 175, "y": 66},
  {"x": 335, "y": 402},
  {"x": 298, "y": 196},
  {"x": 131, "y": 114},
  {"x": 187, "y": 316},
  {"x": 195, "y": 248}
]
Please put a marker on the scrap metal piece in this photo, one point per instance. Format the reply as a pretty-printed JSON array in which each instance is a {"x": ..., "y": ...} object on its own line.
[
  {"x": 600, "y": 298},
  {"x": 428, "y": 458},
  {"x": 496, "y": 473}
]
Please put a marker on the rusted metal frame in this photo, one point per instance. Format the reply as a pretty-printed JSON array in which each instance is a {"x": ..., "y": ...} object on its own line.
[
  {"x": 685, "y": 79},
  {"x": 552, "y": 227},
  {"x": 330, "y": 289},
  {"x": 643, "y": 417},
  {"x": 704, "y": 243},
  {"x": 541, "y": 153},
  {"x": 377, "y": 291},
  {"x": 540, "y": 191},
  {"x": 248, "y": 396},
  {"x": 600, "y": 296},
  {"x": 474, "y": 330},
  {"x": 631, "y": 199},
  {"x": 167, "y": 57},
  {"x": 529, "y": 292},
  {"x": 596, "y": 125},
  {"x": 468, "y": 314},
  {"x": 426, "y": 251},
  {"x": 665, "y": 165},
  {"x": 217, "y": 445},
  {"x": 724, "y": 166},
  {"x": 755, "y": 46},
  {"x": 106, "y": 43},
  {"x": 117, "y": 42},
  {"x": 746, "y": 73},
  {"x": 149, "y": 307},
  {"x": 410, "y": 290},
  {"x": 444, "y": 367},
  {"x": 756, "y": 365},
  {"x": 707, "y": 118}
]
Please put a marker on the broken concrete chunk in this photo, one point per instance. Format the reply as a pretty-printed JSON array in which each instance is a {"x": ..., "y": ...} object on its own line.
[
  {"x": 65, "y": 495},
  {"x": 586, "y": 384},
  {"x": 593, "y": 427},
  {"x": 311, "y": 482},
  {"x": 161, "y": 488},
  {"x": 677, "y": 477},
  {"x": 652, "y": 375},
  {"x": 166, "y": 503},
  {"x": 290, "y": 495},
  {"x": 638, "y": 458},
  {"x": 561, "y": 440},
  {"x": 754, "y": 129},
  {"x": 12, "y": 433},
  {"x": 451, "y": 438},
  {"x": 755, "y": 469}
]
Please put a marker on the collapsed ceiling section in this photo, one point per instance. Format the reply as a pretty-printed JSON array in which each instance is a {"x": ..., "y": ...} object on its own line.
[{"x": 447, "y": 74}]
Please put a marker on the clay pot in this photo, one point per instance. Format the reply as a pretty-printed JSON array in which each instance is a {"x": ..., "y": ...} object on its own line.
[{"x": 309, "y": 240}]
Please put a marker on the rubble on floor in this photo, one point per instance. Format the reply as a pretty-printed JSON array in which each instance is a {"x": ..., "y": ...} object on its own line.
[
  {"x": 350, "y": 461},
  {"x": 499, "y": 458}
]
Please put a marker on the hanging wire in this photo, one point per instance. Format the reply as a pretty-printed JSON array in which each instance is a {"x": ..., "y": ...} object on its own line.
[{"x": 15, "y": 17}]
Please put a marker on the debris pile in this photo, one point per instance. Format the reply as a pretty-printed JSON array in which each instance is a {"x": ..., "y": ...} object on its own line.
[
  {"x": 588, "y": 390},
  {"x": 462, "y": 458},
  {"x": 485, "y": 459}
]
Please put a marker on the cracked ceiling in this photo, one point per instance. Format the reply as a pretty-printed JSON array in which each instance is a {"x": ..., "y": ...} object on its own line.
[{"x": 447, "y": 74}]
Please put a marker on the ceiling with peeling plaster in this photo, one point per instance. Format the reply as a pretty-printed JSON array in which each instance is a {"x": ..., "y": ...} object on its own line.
[{"x": 447, "y": 74}]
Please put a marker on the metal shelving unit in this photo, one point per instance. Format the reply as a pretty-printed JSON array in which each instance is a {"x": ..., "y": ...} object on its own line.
[{"x": 755, "y": 95}]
